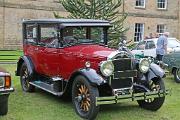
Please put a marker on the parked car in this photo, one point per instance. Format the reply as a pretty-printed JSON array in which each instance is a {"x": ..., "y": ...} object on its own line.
[
  {"x": 71, "y": 57},
  {"x": 5, "y": 90},
  {"x": 147, "y": 47},
  {"x": 173, "y": 61}
]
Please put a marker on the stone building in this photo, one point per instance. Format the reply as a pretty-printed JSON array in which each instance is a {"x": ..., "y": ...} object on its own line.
[
  {"x": 144, "y": 17},
  {"x": 12, "y": 13},
  {"x": 154, "y": 17}
]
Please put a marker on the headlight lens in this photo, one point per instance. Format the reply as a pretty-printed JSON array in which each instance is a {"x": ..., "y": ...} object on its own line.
[
  {"x": 2, "y": 81},
  {"x": 144, "y": 65},
  {"x": 107, "y": 68}
]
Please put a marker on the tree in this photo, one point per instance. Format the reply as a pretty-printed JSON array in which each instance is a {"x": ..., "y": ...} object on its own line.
[{"x": 99, "y": 9}]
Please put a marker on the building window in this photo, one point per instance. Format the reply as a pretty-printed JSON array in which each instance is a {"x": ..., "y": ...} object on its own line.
[
  {"x": 162, "y": 4},
  {"x": 139, "y": 32},
  {"x": 161, "y": 29},
  {"x": 140, "y": 3}
]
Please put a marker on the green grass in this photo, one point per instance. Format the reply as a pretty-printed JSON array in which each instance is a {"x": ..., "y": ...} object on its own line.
[{"x": 44, "y": 106}]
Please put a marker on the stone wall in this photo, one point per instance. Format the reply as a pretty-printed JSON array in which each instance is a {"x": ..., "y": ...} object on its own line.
[
  {"x": 1, "y": 27},
  {"x": 12, "y": 13}
]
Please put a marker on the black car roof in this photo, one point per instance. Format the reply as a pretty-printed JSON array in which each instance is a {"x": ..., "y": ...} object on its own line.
[{"x": 71, "y": 22}]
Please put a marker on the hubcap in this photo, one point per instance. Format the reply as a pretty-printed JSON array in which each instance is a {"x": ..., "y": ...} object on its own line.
[{"x": 83, "y": 97}]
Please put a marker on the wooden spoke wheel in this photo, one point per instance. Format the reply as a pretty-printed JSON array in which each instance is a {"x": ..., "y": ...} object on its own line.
[
  {"x": 84, "y": 98},
  {"x": 153, "y": 103},
  {"x": 25, "y": 79}
]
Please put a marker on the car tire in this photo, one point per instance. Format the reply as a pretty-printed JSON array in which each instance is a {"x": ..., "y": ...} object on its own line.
[
  {"x": 25, "y": 79},
  {"x": 84, "y": 98},
  {"x": 4, "y": 105},
  {"x": 156, "y": 103},
  {"x": 177, "y": 75}
]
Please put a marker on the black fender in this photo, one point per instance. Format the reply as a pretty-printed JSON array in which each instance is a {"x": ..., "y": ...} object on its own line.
[
  {"x": 92, "y": 76},
  {"x": 155, "y": 71},
  {"x": 27, "y": 60}
]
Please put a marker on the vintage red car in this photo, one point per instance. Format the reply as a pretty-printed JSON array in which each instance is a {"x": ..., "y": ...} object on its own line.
[
  {"x": 71, "y": 57},
  {"x": 5, "y": 90}
]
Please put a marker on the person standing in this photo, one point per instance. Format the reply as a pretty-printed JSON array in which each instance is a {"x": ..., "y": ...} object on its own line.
[{"x": 161, "y": 49}]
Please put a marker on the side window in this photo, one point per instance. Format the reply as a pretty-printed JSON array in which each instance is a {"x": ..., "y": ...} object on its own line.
[
  {"x": 49, "y": 35},
  {"x": 150, "y": 45},
  {"x": 141, "y": 46},
  {"x": 31, "y": 34}
]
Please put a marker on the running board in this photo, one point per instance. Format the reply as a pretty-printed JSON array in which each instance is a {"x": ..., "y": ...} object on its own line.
[{"x": 45, "y": 87}]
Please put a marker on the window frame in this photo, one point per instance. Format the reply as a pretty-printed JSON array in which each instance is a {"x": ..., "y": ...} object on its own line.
[
  {"x": 40, "y": 25},
  {"x": 25, "y": 39},
  {"x": 139, "y": 6},
  {"x": 147, "y": 47},
  {"x": 142, "y": 34},
  {"x": 158, "y": 30},
  {"x": 165, "y": 7}
]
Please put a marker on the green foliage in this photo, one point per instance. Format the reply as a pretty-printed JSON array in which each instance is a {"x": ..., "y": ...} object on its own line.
[{"x": 99, "y": 9}]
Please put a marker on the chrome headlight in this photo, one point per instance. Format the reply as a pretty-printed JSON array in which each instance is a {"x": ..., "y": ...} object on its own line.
[
  {"x": 107, "y": 68},
  {"x": 144, "y": 65},
  {"x": 2, "y": 80}
]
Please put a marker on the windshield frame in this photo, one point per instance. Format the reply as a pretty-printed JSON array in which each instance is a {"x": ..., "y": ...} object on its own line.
[{"x": 88, "y": 34}]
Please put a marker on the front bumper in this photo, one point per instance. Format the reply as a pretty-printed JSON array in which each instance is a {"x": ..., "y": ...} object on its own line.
[
  {"x": 6, "y": 91},
  {"x": 130, "y": 97}
]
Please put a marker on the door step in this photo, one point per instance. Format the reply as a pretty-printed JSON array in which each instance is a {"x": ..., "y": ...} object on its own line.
[{"x": 46, "y": 87}]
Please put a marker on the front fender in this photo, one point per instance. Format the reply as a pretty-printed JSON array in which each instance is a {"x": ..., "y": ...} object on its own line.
[
  {"x": 27, "y": 60},
  {"x": 154, "y": 72},
  {"x": 93, "y": 77}
]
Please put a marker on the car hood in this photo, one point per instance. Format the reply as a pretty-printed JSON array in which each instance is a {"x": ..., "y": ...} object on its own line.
[{"x": 92, "y": 50}]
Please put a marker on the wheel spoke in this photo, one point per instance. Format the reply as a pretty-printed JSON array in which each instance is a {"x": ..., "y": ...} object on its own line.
[{"x": 80, "y": 90}]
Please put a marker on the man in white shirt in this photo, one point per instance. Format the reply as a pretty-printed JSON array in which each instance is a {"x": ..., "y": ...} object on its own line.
[{"x": 161, "y": 49}]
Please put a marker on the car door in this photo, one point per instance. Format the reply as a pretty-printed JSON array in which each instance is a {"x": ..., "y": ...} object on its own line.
[
  {"x": 30, "y": 44},
  {"x": 138, "y": 51},
  {"x": 150, "y": 49},
  {"x": 48, "y": 50}
]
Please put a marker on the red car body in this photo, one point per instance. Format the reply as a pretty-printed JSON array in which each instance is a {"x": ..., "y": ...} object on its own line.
[{"x": 53, "y": 61}]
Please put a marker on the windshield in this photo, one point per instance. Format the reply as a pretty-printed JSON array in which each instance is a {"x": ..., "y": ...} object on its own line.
[
  {"x": 172, "y": 42},
  {"x": 78, "y": 35}
]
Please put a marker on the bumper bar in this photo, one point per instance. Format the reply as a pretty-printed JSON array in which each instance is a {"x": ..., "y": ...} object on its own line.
[
  {"x": 6, "y": 91},
  {"x": 130, "y": 97}
]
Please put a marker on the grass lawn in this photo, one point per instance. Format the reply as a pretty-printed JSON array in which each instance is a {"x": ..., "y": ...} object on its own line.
[{"x": 44, "y": 106}]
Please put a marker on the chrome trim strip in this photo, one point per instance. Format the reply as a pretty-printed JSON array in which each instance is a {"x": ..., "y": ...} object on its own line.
[{"x": 4, "y": 91}]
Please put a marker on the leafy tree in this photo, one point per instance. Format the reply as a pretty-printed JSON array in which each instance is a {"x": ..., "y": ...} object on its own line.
[{"x": 99, "y": 9}]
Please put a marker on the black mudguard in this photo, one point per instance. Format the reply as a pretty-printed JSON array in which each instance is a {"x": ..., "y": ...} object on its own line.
[
  {"x": 154, "y": 72},
  {"x": 27, "y": 60},
  {"x": 93, "y": 77}
]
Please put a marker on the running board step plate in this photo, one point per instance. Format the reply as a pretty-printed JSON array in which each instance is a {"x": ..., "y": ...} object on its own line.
[{"x": 45, "y": 87}]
